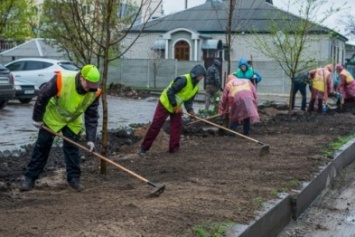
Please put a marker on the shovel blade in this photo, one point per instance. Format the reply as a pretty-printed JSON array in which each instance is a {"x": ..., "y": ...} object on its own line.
[
  {"x": 265, "y": 149},
  {"x": 159, "y": 189}
]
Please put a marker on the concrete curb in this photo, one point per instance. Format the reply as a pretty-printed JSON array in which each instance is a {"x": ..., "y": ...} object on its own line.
[{"x": 277, "y": 214}]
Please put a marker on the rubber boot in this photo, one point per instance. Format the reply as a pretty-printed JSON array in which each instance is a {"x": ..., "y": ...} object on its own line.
[
  {"x": 75, "y": 184},
  {"x": 311, "y": 105},
  {"x": 27, "y": 185},
  {"x": 320, "y": 106}
]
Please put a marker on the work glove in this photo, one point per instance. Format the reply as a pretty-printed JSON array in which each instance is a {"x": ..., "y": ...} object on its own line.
[
  {"x": 37, "y": 124},
  {"x": 177, "y": 110},
  {"x": 91, "y": 146}
]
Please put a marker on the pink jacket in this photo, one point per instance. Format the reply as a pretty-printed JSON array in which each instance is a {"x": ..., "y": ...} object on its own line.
[
  {"x": 239, "y": 98},
  {"x": 346, "y": 83}
]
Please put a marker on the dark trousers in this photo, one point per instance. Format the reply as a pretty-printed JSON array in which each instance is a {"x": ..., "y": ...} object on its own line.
[
  {"x": 301, "y": 87},
  {"x": 41, "y": 152},
  {"x": 211, "y": 92},
  {"x": 246, "y": 126},
  {"x": 160, "y": 115},
  {"x": 311, "y": 105}
]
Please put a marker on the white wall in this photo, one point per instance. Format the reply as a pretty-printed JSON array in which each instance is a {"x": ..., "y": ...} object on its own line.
[{"x": 242, "y": 46}]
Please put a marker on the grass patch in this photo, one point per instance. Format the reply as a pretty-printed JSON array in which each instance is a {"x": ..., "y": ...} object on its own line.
[
  {"x": 274, "y": 192},
  {"x": 337, "y": 144},
  {"x": 258, "y": 202},
  {"x": 212, "y": 229},
  {"x": 290, "y": 184}
]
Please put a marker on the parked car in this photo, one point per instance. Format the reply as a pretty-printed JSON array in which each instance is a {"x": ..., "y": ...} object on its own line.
[
  {"x": 25, "y": 91},
  {"x": 39, "y": 70},
  {"x": 7, "y": 90}
]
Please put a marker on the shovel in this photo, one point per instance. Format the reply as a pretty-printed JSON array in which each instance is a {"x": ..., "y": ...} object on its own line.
[
  {"x": 158, "y": 189},
  {"x": 265, "y": 149}
]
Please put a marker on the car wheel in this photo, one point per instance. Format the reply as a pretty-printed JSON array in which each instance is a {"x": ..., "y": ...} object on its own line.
[
  {"x": 3, "y": 103},
  {"x": 25, "y": 101}
]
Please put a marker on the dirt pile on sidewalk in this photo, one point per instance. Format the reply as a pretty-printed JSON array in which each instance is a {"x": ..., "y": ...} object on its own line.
[{"x": 127, "y": 92}]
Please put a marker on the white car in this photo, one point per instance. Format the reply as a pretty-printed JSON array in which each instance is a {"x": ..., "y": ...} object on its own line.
[
  {"x": 39, "y": 70},
  {"x": 25, "y": 91}
]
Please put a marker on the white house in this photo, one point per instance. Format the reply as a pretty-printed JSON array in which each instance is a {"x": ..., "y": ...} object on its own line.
[{"x": 199, "y": 33}]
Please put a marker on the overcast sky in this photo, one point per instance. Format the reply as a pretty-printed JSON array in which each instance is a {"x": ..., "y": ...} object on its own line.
[{"x": 171, "y": 6}]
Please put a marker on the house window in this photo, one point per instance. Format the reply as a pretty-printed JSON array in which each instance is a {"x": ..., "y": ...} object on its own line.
[{"x": 182, "y": 51}]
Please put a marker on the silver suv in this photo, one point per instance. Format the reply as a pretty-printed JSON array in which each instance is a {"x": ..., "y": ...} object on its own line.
[
  {"x": 39, "y": 70},
  {"x": 7, "y": 90}
]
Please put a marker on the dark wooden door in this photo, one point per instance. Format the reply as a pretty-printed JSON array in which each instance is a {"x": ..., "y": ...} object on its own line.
[{"x": 182, "y": 51}]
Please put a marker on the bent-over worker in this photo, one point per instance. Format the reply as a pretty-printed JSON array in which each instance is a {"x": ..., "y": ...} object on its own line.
[
  {"x": 60, "y": 106},
  {"x": 181, "y": 90},
  {"x": 240, "y": 100}
]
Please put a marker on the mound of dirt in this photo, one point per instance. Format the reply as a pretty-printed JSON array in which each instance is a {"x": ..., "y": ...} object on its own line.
[
  {"x": 127, "y": 92},
  {"x": 213, "y": 179}
]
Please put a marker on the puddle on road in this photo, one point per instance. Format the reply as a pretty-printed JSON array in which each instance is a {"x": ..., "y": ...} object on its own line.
[{"x": 350, "y": 219}]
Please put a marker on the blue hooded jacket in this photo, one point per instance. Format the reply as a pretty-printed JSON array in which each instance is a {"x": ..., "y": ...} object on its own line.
[{"x": 249, "y": 73}]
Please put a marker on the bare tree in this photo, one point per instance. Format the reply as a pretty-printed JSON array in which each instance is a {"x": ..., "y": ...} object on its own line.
[
  {"x": 156, "y": 60},
  {"x": 95, "y": 29},
  {"x": 229, "y": 29},
  {"x": 349, "y": 22},
  {"x": 232, "y": 16}
]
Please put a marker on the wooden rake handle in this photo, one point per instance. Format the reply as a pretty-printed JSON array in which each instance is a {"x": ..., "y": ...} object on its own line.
[
  {"x": 101, "y": 157},
  {"x": 224, "y": 128},
  {"x": 211, "y": 117}
]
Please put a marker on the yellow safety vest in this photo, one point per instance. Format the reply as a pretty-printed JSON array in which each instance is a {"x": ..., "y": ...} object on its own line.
[
  {"x": 234, "y": 89},
  {"x": 68, "y": 106},
  {"x": 319, "y": 81},
  {"x": 348, "y": 77},
  {"x": 184, "y": 95}
]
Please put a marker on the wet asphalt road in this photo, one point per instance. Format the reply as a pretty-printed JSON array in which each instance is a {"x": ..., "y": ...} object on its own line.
[{"x": 17, "y": 130}]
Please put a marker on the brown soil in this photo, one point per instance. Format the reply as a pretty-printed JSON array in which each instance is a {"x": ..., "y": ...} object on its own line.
[
  {"x": 127, "y": 92},
  {"x": 213, "y": 179}
]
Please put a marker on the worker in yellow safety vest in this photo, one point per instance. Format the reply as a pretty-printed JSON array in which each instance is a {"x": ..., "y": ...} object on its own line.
[{"x": 61, "y": 106}]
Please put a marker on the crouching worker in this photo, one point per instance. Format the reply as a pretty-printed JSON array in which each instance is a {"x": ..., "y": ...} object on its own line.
[
  {"x": 346, "y": 84},
  {"x": 240, "y": 100},
  {"x": 60, "y": 106},
  {"x": 321, "y": 86},
  {"x": 181, "y": 90}
]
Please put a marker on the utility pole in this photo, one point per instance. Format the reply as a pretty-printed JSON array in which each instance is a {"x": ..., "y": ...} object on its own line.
[{"x": 185, "y": 4}]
